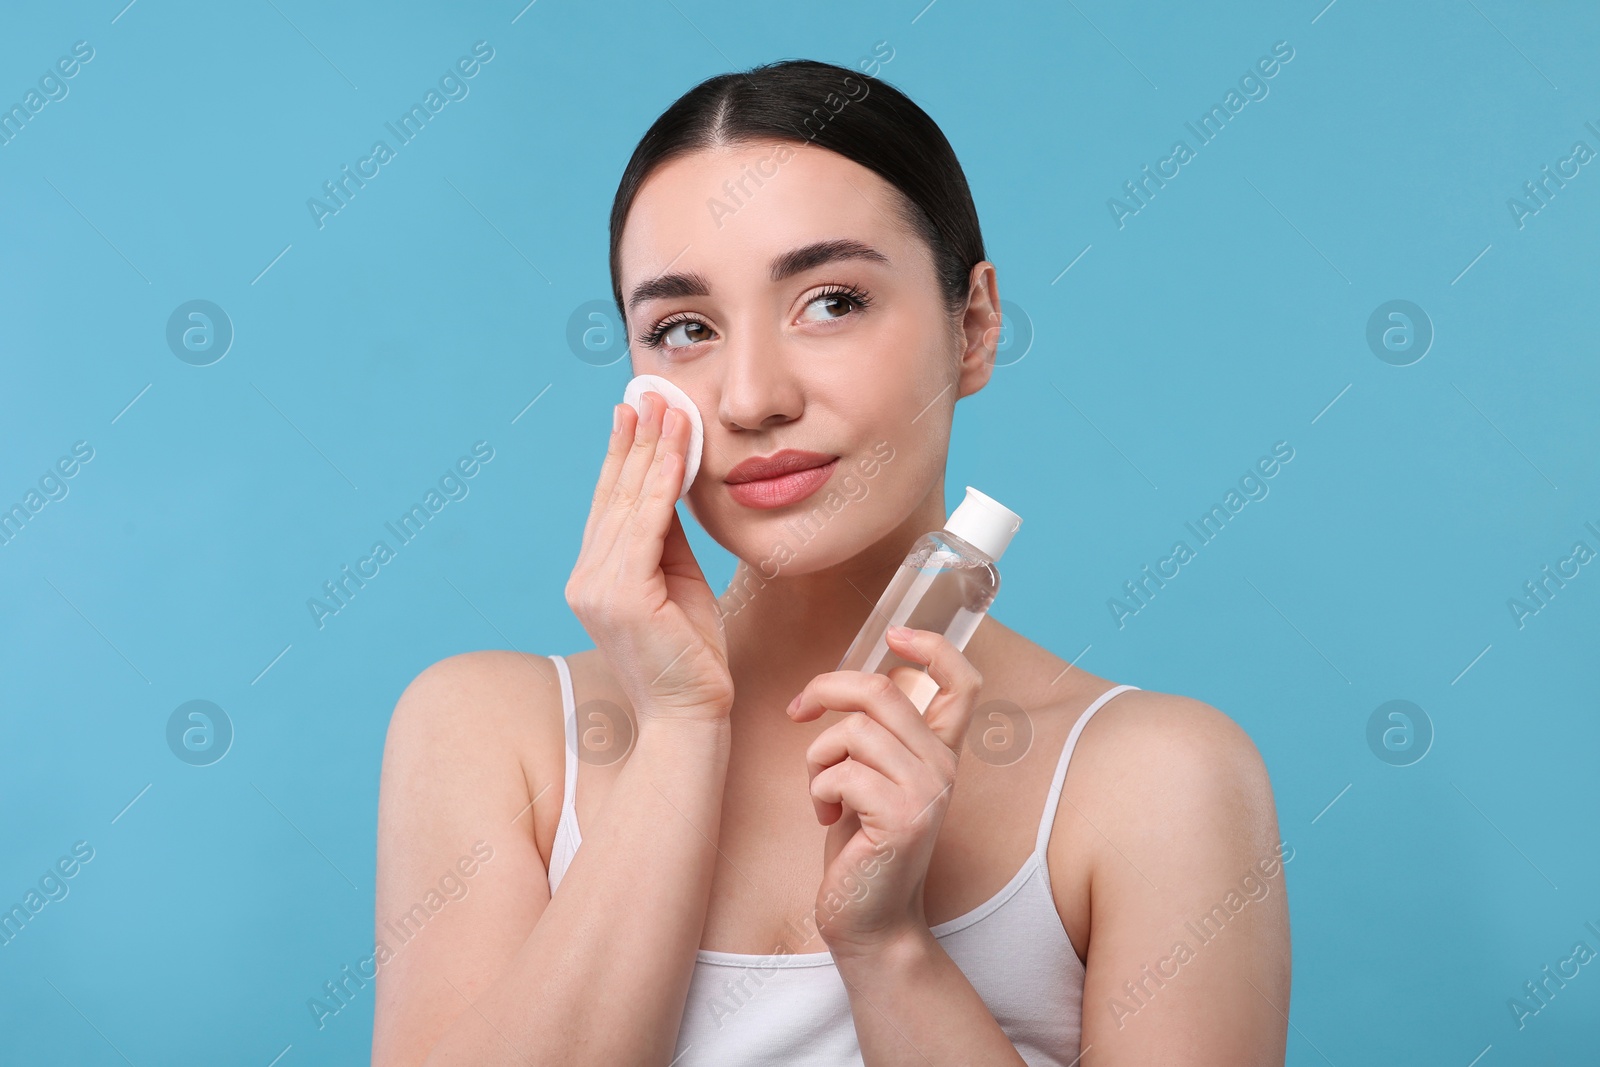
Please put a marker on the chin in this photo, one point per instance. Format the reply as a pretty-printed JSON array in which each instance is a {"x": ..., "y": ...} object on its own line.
[{"x": 815, "y": 534}]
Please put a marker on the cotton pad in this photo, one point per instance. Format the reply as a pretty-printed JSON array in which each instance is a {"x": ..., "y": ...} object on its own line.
[{"x": 678, "y": 400}]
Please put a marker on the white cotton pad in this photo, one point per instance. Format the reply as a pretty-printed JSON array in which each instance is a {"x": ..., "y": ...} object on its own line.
[{"x": 678, "y": 399}]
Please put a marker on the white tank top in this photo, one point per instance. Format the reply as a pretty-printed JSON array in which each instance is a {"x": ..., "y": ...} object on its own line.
[{"x": 793, "y": 1008}]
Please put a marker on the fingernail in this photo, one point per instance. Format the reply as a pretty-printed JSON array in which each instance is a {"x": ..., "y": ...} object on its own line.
[
  {"x": 900, "y": 633},
  {"x": 794, "y": 704},
  {"x": 670, "y": 421},
  {"x": 616, "y": 417}
]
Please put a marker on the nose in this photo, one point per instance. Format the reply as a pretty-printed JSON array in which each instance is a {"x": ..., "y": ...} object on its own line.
[{"x": 759, "y": 388}]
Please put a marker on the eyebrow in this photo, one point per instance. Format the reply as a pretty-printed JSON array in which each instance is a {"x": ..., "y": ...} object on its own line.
[{"x": 690, "y": 283}]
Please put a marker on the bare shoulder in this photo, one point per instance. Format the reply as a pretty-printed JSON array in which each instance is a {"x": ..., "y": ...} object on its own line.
[
  {"x": 478, "y": 688},
  {"x": 1171, "y": 749},
  {"x": 461, "y": 845},
  {"x": 1165, "y": 767},
  {"x": 475, "y": 731},
  {"x": 1142, "y": 733},
  {"x": 1154, "y": 764},
  {"x": 1185, "y": 844},
  {"x": 1162, "y": 791},
  {"x": 1174, "y": 741}
]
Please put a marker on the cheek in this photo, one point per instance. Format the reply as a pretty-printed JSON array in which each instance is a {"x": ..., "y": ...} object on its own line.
[
  {"x": 898, "y": 371},
  {"x": 899, "y": 388}
]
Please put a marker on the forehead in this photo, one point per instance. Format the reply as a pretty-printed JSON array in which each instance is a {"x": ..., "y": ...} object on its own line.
[{"x": 721, "y": 211}]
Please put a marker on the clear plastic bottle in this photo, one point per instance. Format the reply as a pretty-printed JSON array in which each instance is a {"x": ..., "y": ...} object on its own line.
[{"x": 945, "y": 584}]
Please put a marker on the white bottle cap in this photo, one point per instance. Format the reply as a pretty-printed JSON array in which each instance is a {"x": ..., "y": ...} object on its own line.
[
  {"x": 984, "y": 523},
  {"x": 678, "y": 400}
]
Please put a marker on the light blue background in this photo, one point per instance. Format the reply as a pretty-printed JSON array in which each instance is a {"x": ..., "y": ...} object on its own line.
[{"x": 1226, "y": 316}]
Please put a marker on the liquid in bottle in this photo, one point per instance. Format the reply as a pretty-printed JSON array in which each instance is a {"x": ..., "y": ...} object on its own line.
[{"x": 945, "y": 584}]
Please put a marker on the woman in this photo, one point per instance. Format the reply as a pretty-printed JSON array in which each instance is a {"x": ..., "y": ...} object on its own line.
[{"x": 782, "y": 863}]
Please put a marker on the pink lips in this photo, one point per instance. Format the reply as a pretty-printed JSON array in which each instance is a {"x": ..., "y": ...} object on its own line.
[{"x": 785, "y": 477}]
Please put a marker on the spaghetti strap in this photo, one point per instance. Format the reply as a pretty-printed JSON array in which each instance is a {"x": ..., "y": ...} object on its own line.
[
  {"x": 1052, "y": 799},
  {"x": 569, "y": 729},
  {"x": 567, "y": 836}
]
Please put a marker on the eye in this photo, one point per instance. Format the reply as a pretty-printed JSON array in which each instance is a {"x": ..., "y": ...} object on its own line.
[
  {"x": 836, "y": 302},
  {"x": 675, "y": 331},
  {"x": 686, "y": 332}
]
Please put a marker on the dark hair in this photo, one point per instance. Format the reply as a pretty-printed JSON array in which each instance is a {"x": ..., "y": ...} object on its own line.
[{"x": 874, "y": 124}]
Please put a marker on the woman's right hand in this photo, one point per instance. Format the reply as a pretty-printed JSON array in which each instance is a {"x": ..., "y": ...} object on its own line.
[{"x": 637, "y": 588}]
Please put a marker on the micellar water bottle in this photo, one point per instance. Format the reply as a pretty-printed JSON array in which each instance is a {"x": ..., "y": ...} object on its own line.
[{"x": 945, "y": 584}]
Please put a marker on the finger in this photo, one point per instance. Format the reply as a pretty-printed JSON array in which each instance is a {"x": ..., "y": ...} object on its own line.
[
  {"x": 863, "y": 739},
  {"x": 856, "y": 786},
  {"x": 640, "y": 550},
  {"x": 672, "y": 441},
  {"x": 624, "y": 419},
  {"x": 635, "y": 466},
  {"x": 877, "y": 696},
  {"x": 949, "y": 713}
]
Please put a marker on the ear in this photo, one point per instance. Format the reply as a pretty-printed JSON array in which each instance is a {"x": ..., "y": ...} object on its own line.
[{"x": 980, "y": 329}]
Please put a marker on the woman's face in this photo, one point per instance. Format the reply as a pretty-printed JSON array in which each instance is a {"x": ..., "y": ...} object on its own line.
[{"x": 777, "y": 285}]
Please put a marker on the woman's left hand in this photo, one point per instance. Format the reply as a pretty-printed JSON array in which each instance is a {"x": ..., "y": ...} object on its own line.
[{"x": 881, "y": 781}]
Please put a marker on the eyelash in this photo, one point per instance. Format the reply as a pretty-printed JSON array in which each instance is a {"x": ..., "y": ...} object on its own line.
[{"x": 860, "y": 299}]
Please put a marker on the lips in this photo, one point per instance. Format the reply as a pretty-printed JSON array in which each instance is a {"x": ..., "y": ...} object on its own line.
[
  {"x": 782, "y": 478},
  {"x": 786, "y": 461}
]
